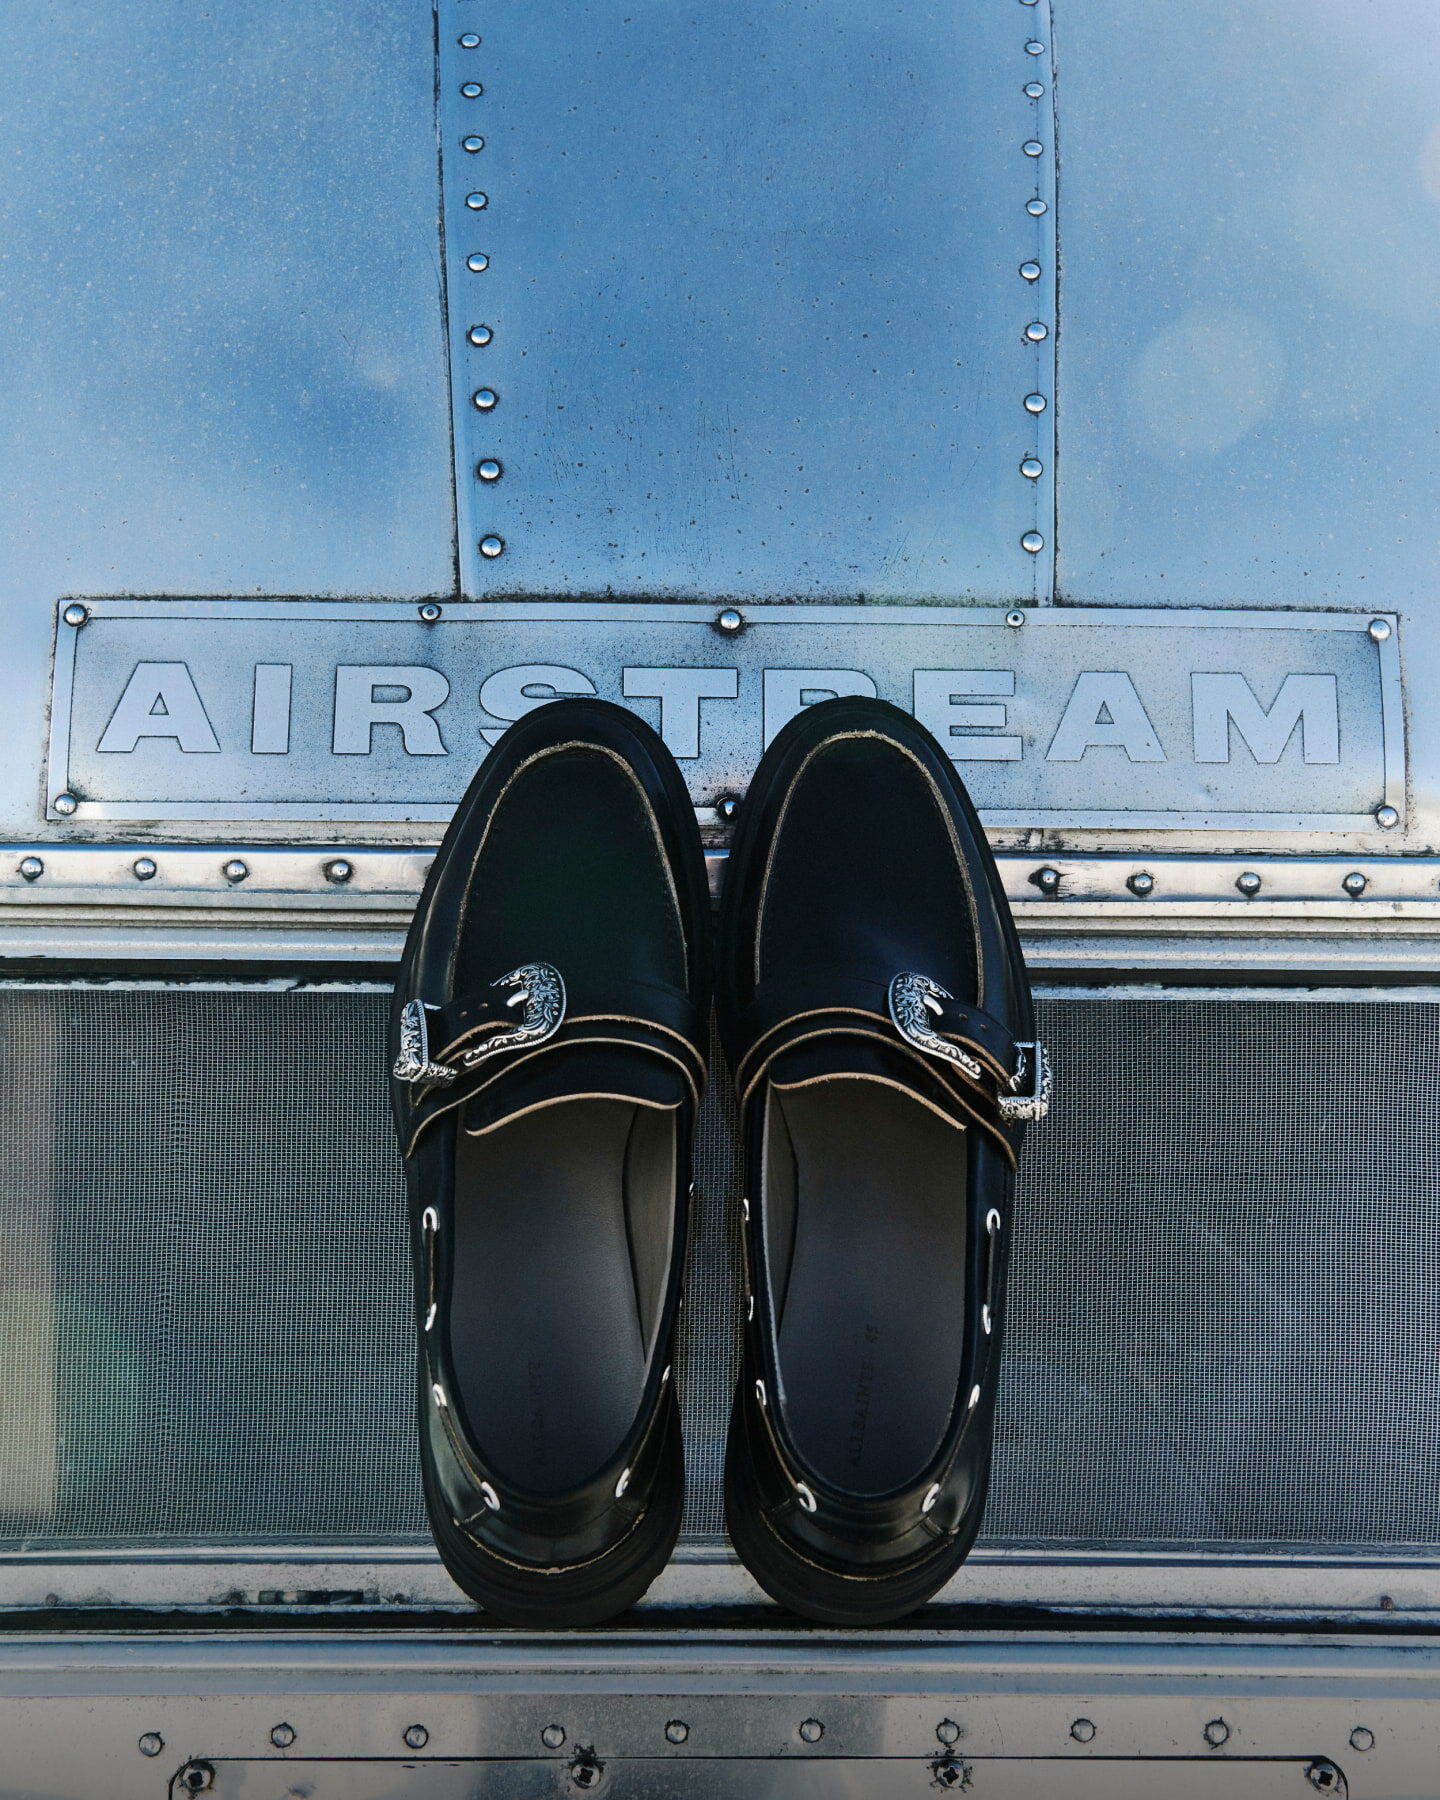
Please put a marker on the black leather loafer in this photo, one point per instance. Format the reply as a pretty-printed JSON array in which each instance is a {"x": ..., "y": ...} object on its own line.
[
  {"x": 876, "y": 1014},
  {"x": 549, "y": 1031}
]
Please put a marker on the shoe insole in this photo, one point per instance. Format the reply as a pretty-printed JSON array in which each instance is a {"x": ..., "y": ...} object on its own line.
[
  {"x": 546, "y": 1336},
  {"x": 871, "y": 1326}
]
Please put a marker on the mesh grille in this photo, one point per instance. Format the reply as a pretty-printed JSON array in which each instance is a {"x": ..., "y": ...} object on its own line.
[{"x": 1222, "y": 1318}]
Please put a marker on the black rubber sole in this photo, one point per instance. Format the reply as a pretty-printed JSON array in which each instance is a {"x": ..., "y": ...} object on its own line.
[
  {"x": 569, "y": 1598},
  {"x": 817, "y": 1593}
]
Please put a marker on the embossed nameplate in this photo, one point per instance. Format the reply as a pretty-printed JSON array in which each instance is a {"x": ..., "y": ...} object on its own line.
[{"x": 1060, "y": 716}]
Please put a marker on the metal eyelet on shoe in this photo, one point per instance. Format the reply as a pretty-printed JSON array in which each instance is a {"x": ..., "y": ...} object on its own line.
[
  {"x": 489, "y": 1496},
  {"x": 974, "y": 1400},
  {"x": 622, "y": 1484},
  {"x": 805, "y": 1497},
  {"x": 928, "y": 1502},
  {"x": 430, "y": 1224},
  {"x": 760, "y": 1394}
]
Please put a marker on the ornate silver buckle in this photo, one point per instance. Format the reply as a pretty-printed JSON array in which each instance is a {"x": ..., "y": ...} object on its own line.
[
  {"x": 541, "y": 993},
  {"x": 912, "y": 997},
  {"x": 1032, "y": 1067},
  {"x": 413, "y": 1063}
]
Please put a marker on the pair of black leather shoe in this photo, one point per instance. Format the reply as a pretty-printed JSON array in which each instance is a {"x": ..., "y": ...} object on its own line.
[{"x": 551, "y": 1023}]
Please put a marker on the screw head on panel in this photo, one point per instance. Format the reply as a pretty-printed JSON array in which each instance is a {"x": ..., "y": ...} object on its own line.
[
  {"x": 492, "y": 546},
  {"x": 676, "y": 1731},
  {"x": 151, "y": 1744},
  {"x": 1047, "y": 879},
  {"x": 282, "y": 1736},
  {"x": 1354, "y": 883},
  {"x": 75, "y": 613},
  {"x": 1015, "y": 618},
  {"x": 1217, "y": 1732},
  {"x": 1033, "y": 542},
  {"x": 234, "y": 871},
  {"x": 145, "y": 868},
  {"x": 1141, "y": 884},
  {"x": 727, "y": 806},
  {"x": 730, "y": 621},
  {"x": 1377, "y": 629},
  {"x": 1248, "y": 883},
  {"x": 553, "y": 1736},
  {"x": 489, "y": 470},
  {"x": 1083, "y": 1730},
  {"x": 1386, "y": 817},
  {"x": 416, "y": 1737},
  {"x": 195, "y": 1778},
  {"x": 429, "y": 612},
  {"x": 65, "y": 804},
  {"x": 811, "y": 1731},
  {"x": 31, "y": 868},
  {"x": 586, "y": 1771},
  {"x": 338, "y": 871},
  {"x": 1324, "y": 1777}
]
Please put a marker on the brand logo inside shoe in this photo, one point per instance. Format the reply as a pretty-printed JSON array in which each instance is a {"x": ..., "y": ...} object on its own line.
[
  {"x": 913, "y": 1001},
  {"x": 864, "y": 1385}
]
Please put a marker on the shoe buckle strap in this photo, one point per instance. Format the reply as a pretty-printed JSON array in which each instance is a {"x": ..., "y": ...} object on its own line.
[
  {"x": 918, "y": 1005},
  {"x": 540, "y": 992}
]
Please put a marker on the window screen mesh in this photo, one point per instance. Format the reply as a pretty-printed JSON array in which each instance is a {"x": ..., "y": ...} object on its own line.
[{"x": 1223, "y": 1323}]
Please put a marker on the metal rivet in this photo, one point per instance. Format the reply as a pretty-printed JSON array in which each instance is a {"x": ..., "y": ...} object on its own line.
[
  {"x": 339, "y": 871},
  {"x": 282, "y": 1736},
  {"x": 480, "y": 335},
  {"x": 553, "y": 1736},
  {"x": 430, "y": 612},
  {"x": 1034, "y": 48},
  {"x": 1216, "y": 1733},
  {"x": 1387, "y": 1603},
  {"x": 1379, "y": 629},
  {"x": 1354, "y": 882},
  {"x": 196, "y": 1778},
  {"x": 31, "y": 868},
  {"x": 586, "y": 1771},
  {"x": 1386, "y": 817},
  {"x": 730, "y": 620},
  {"x": 1360, "y": 1738},
  {"x": 1034, "y": 89},
  {"x": 1030, "y": 270},
  {"x": 1037, "y": 332},
  {"x": 948, "y": 1731},
  {"x": 1033, "y": 542},
  {"x": 234, "y": 870},
  {"x": 1035, "y": 403},
  {"x": 477, "y": 202},
  {"x": 152, "y": 1743},
  {"x": 470, "y": 40},
  {"x": 1141, "y": 883},
  {"x": 75, "y": 613},
  {"x": 416, "y": 1736},
  {"x": 1047, "y": 879},
  {"x": 65, "y": 804},
  {"x": 478, "y": 263},
  {"x": 1082, "y": 1730},
  {"x": 1015, "y": 618},
  {"x": 1324, "y": 1777},
  {"x": 489, "y": 470},
  {"x": 727, "y": 806},
  {"x": 1036, "y": 207},
  {"x": 931, "y": 1497},
  {"x": 1033, "y": 147},
  {"x": 677, "y": 1731},
  {"x": 145, "y": 868},
  {"x": 1248, "y": 883},
  {"x": 483, "y": 399},
  {"x": 811, "y": 1730},
  {"x": 472, "y": 144},
  {"x": 492, "y": 546},
  {"x": 472, "y": 90},
  {"x": 1032, "y": 468}
]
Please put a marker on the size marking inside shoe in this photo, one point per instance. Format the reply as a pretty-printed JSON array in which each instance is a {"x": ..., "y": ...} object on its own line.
[{"x": 328, "y": 711}]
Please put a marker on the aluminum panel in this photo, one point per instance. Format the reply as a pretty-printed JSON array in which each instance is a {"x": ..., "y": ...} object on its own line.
[
  {"x": 740, "y": 297},
  {"x": 221, "y": 297}
]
